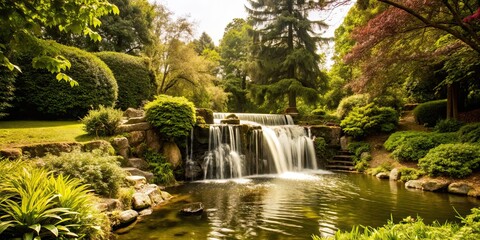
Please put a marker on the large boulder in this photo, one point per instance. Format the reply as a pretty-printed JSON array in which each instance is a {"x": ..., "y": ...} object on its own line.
[
  {"x": 195, "y": 208},
  {"x": 459, "y": 188},
  {"x": 383, "y": 175},
  {"x": 136, "y": 137},
  {"x": 153, "y": 140},
  {"x": 138, "y": 163},
  {"x": 132, "y": 112},
  {"x": 431, "y": 185},
  {"x": 154, "y": 192},
  {"x": 395, "y": 174},
  {"x": 172, "y": 153},
  {"x": 127, "y": 217},
  {"x": 121, "y": 146},
  {"x": 141, "y": 201}
]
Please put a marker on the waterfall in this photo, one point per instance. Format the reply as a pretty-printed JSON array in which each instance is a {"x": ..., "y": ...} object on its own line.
[{"x": 261, "y": 144}]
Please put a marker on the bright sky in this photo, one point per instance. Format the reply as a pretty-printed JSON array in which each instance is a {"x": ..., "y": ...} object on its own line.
[{"x": 212, "y": 16}]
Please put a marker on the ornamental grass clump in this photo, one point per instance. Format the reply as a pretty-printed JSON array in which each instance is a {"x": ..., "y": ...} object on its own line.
[
  {"x": 36, "y": 204},
  {"x": 174, "y": 117}
]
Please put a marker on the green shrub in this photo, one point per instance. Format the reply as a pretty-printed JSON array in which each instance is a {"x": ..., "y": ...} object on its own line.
[
  {"x": 407, "y": 174},
  {"x": 321, "y": 149},
  {"x": 448, "y": 125},
  {"x": 136, "y": 82},
  {"x": 161, "y": 169},
  {"x": 174, "y": 117},
  {"x": 349, "y": 103},
  {"x": 410, "y": 228},
  {"x": 413, "y": 148},
  {"x": 470, "y": 133},
  {"x": 39, "y": 95},
  {"x": 430, "y": 113},
  {"x": 397, "y": 138},
  {"x": 357, "y": 148},
  {"x": 102, "y": 172},
  {"x": 125, "y": 196},
  {"x": 452, "y": 160},
  {"x": 362, "y": 121},
  {"x": 384, "y": 167},
  {"x": 103, "y": 121},
  {"x": 319, "y": 112},
  {"x": 35, "y": 204}
]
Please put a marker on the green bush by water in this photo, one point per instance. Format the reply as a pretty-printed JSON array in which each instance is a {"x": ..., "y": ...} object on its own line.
[
  {"x": 411, "y": 228},
  {"x": 39, "y": 95},
  {"x": 430, "y": 113},
  {"x": 407, "y": 174},
  {"x": 161, "y": 169},
  {"x": 452, "y": 160},
  {"x": 174, "y": 117},
  {"x": 136, "y": 82},
  {"x": 410, "y": 146},
  {"x": 35, "y": 204},
  {"x": 101, "y": 172},
  {"x": 102, "y": 121},
  {"x": 362, "y": 121}
]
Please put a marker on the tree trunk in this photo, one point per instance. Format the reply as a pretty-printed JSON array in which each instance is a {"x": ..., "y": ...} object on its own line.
[
  {"x": 452, "y": 101},
  {"x": 292, "y": 99}
]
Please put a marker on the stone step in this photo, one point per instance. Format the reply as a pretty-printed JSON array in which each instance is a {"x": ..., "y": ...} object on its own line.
[
  {"x": 138, "y": 163},
  {"x": 343, "y": 157},
  {"x": 342, "y": 152},
  {"x": 339, "y": 162},
  {"x": 137, "y": 172},
  {"x": 340, "y": 167}
]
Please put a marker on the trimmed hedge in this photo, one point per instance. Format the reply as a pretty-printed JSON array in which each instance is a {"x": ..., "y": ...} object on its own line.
[
  {"x": 452, "y": 160},
  {"x": 430, "y": 113},
  {"x": 173, "y": 116},
  {"x": 39, "y": 96},
  {"x": 136, "y": 82}
]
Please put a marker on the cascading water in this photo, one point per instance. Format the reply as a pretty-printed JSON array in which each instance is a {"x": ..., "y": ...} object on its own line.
[{"x": 261, "y": 144}]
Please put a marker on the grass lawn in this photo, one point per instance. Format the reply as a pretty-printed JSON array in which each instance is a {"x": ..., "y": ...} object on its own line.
[{"x": 14, "y": 133}]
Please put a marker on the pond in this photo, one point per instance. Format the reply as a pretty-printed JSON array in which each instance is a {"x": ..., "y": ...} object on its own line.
[{"x": 294, "y": 206}]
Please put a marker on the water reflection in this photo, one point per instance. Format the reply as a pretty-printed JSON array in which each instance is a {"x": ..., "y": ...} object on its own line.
[{"x": 294, "y": 207}]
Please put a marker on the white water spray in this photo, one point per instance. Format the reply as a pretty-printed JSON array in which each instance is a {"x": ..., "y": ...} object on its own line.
[{"x": 278, "y": 146}]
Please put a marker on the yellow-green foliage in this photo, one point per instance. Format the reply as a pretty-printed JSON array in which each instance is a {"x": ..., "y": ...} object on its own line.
[
  {"x": 362, "y": 121},
  {"x": 411, "y": 145},
  {"x": 174, "y": 117},
  {"x": 103, "y": 121},
  {"x": 411, "y": 228},
  {"x": 136, "y": 82},
  {"x": 39, "y": 95},
  {"x": 36, "y": 204},
  {"x": 452, "y": 160},
  {"x": 102, "y": 172}
]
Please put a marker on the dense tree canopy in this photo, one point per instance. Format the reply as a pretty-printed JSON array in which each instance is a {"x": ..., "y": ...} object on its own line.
[
  {"x": 286, "y": 54},
  {"x": 25, "y": 19}
]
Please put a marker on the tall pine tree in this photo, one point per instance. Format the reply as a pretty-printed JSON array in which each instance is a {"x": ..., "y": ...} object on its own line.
[{"x": 286, "y": 39}]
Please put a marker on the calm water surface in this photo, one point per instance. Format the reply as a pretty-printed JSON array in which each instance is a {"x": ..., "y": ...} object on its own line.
[{"x": 294, "y": 206}]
